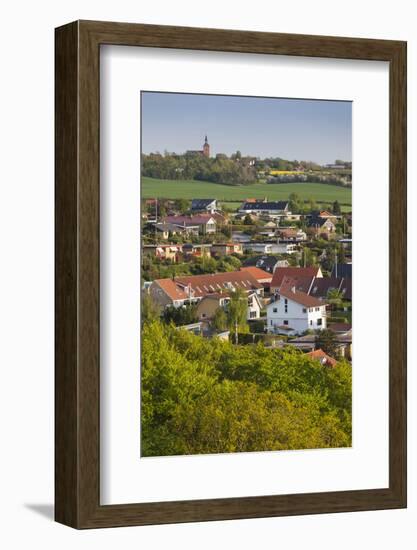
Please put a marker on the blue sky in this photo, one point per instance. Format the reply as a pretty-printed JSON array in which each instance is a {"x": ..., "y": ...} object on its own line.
[{"x": 320, "y": 131}]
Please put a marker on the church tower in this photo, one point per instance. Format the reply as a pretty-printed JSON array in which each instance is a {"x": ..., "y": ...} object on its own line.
[{"x": 206, "y": 148}]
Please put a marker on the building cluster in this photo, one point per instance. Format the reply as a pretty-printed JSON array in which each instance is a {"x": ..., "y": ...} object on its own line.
[{"x": 291, "y": 303}]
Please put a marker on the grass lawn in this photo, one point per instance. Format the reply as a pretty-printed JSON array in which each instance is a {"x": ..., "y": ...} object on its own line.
[{"x": 191, "y": 189}]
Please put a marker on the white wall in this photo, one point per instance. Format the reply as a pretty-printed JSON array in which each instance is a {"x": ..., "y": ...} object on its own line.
[
  {"x": 299, "y": 320},
  {"x": 26, "y": 311}
]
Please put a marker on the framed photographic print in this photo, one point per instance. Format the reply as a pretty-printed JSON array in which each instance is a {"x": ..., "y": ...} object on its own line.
[{"x": 230, "y": 274}]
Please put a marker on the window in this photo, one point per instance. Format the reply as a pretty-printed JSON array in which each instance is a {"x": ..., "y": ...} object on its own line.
[
  {"x": 319, "y": 322},
  {"x": 286, "y": 323},
  {"x": 252, "y": 314},
  {"x": 304, "y": 310},
  {"x": 286, "y": 308},
  {"x": 311, "y": 322},
  {"x": 271, "y": 323},
  {"x": 286, "y": 301},
  {"x": 275, "y": 310},
  {"x": 317, "y": 309}
]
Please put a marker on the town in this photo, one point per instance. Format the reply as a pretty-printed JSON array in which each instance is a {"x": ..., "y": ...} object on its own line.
[
  {"x": 270, "y": 271},
  {"x": 246, "y": 290}
]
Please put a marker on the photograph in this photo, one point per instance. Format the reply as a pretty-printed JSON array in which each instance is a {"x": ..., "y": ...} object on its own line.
[{"x": 246, "y": 268}]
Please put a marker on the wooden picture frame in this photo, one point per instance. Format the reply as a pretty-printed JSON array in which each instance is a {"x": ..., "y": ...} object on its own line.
[{"x": 77, "y": 405}]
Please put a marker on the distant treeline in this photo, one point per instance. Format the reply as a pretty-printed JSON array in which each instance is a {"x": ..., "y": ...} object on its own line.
[
  {"x": 341, "y": 179},
  {"x": 197, "y": 167}
]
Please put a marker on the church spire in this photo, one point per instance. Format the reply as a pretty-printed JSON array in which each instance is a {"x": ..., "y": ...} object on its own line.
[{"x": 206, "y": 147}]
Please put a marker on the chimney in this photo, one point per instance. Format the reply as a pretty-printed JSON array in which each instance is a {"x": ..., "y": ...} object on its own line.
[{"x": 293, "y": 289}]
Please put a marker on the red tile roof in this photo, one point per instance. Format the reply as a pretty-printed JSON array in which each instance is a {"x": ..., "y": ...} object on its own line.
[
  {"x": 171, "y": 289},
  {"x": 295, "y": 295},
  {"x": 202, "y": 285},
  {"x": 294, "y": 272},
  {"x": 259, "y": 274},
  {"x": 322, "y": 356}
]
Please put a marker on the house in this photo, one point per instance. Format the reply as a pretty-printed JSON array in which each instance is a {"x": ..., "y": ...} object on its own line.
[
  {"x": 219, "y": 218},
  {"x": 263, "y": 277},
  {"x": 164, "y": 230},
  {"x": 271, "y": 208},
  {"x": 321, "y": 286},
  {"x": 308, "y": 343},
  {"x": 204, "y": 205},
  {"x": 207, "y": 307},
  {"x": 196, "y": 250},
  {"x": 193, "y": 288},
  {"x": 270, "y": 248},
  {"x": 226, "y": 249},
  {"x": 205, "y": 222},
  {"x": 267, "y": 263},
  {"x": 322, "y": 357},
  {"x": 163, "y": 251},
  {"x": 302, "y": 275},
  {"x": 291, "y": 235},
  {"x": 321, "y": 226},
  {"x": 293, "y": 312},
  {"x": 339, "y": 328},
  {"x": 165, "y": 292},
  {"x": 324, "y": 214}
]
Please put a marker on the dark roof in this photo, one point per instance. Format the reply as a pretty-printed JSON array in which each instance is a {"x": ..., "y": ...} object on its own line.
[
  {"x": 343, "y": 270},
  {"x": 346, "y": 288},
  {"x": 201, "y": 204},
  {"x": 316, "y": 221},
  {"x": 339, "y": 327},
  {"x": 265, "y": 262},
  {"x": 279, "y": 205},
  {"x": 168, "y": 227},
  {"x": 322, "y": 285}
]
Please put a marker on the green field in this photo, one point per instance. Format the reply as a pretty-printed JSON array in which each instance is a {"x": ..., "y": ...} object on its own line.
[{"x": 178, "y": 189}]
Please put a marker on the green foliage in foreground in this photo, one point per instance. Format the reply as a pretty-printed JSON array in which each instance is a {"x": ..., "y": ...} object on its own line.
[{"x": 208, "y": 396}]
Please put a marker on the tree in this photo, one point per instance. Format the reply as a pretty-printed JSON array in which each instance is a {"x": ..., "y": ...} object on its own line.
[
  {"x": 149, "y": 310},
  {"x": 182, "y": 205},
  {"x": 180, "y": 316},
  {"x": 308, "y": 259},
  {"x": 336, "y": 208},
  {"x": 237, "y": 311},
  {"x": 294, "y": 202},
  {"x": 219, "y": 321},
  {"x": 312, "y": 204},
  {"x": 203, "y": 395},
  {"x": 326, "y": 340},
  {"x": 335, "y": 297},
  {"x": 247, "y": 220}
]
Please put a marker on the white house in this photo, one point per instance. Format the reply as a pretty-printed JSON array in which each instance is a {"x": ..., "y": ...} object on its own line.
[
  {"x": 293, "y": 312},
  {"x": 270, "y": 248},
  {"x": 254, "y": 306},
  {"x": 273, "y": 209}
]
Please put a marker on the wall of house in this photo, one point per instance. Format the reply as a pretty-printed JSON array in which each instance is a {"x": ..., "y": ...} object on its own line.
[
  {"x": 206, "y": 308},
  {"x": 159, "y": 296},
  {"x": 299, "y": 317},
  {"x": 253, "y": 308}
]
